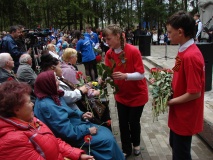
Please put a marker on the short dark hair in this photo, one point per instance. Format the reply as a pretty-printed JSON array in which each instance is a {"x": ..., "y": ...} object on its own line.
[
  {"x": 78, "y": 34},
  {"x": 197, "y": 15},
  {"x": 183, "y": 20},
  {"x": 88, "y": 27},
  {"x": 11, "y": 96},
  {"x": 20, "y": 26},
  {"x": 13, "y": 29},
  {"x": 47, "y": 61}
]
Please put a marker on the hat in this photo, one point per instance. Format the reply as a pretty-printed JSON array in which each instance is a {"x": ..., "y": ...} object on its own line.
[{"x": 64, "y": 45}]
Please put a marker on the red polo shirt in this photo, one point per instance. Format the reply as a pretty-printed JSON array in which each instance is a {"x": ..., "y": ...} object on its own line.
[
  {"x": 131, "y": 93},
  {"x": 187, "y": 118}
]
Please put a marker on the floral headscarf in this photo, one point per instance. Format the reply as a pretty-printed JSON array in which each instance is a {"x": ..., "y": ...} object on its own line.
[{"x": 45, "y": 86}]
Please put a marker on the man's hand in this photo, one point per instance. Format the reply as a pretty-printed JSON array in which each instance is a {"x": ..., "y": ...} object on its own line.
[{"x": 29, "y": 51}]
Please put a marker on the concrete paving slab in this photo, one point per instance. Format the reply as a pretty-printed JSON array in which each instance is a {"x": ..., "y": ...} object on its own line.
[{"x": 155, "y": 136}]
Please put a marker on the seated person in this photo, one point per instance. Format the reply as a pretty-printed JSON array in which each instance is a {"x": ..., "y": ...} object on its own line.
[
  {"x": 100, "y": 110},
  {"x": 52, "y": 50},
  {"x": 69, "y": 58},
  {"x": 73, "y": 96},
  {"x": 72, "y": 125},
  {"x": 6, "y": 66},
  {"x": 71, "y": 93},
  {"x": 68, "y": 69},
  {"x": 25, "y": 73},
  {"x": 22, "y": 136}
]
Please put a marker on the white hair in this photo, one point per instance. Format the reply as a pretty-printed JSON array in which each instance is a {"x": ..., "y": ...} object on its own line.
[
  {"x": 24, "y": 58},
  {"x": 49, "y": 46},
  {"x": 4, "y": 57}
]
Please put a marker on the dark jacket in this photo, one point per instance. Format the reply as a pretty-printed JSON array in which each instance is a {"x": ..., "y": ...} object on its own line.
[
  {"x": 5, "y": 75},
  {"x": 9, "y": 46},
  {"x": 21, "y": 44}
]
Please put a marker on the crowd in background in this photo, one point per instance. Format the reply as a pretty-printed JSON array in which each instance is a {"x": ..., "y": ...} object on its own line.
[
  {"x": 56, "y": 41},
  {"x": 56, "y": 93}
]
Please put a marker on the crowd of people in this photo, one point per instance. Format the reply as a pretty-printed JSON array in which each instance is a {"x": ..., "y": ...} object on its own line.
[
  {"x": 55, "y": 94},
  {"x": 41, "y": 113},
  {"x": 160, "y": 36}
]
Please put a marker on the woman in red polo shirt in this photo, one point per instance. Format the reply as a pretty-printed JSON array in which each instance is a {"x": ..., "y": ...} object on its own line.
[{"x": 133, "y": 93}]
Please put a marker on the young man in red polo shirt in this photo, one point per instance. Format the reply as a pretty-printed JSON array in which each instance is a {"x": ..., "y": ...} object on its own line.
[{"x": 187, "y": 105}]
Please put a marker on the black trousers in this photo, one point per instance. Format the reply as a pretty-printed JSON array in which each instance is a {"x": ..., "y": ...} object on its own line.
[
  {"x": 129, "y": 124},
  {"x": 91, "y": 69},
  {"x": 181, "y": 146}
]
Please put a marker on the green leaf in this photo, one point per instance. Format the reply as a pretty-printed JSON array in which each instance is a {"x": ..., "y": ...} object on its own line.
[{"x": 104, "y": 76}]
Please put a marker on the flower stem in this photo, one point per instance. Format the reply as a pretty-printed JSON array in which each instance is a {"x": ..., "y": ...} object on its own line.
[
  {"x": 82, "y": 145},
  {"x": 89, "y": 146},
  {"x": 101, "y": 124}
]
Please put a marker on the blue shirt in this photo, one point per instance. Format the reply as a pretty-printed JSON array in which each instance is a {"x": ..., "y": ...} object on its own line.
[
  {"x": 85, "y": 47},
  {"x": 92, "y": 36}
]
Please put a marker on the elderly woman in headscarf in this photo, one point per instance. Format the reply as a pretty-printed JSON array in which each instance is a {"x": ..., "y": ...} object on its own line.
[
  {"x": 75, "y": 96},
  {"x": 22, "y": 136},
  {"x": 72, "y": 125},
  {"x": 72, "y": 94}
]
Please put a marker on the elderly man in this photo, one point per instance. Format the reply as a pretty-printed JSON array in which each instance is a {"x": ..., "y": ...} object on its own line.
[
  {"x": 6, "y": 66},
  {"x": 9, "y": 45},
  {"x": 25, "y": 73}
]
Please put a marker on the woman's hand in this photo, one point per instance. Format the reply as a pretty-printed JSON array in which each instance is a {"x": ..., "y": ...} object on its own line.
[
  {"x": 87, "y": 115},
  {"x": 100, "y": 81},
  {"x": 96, "y": 92},
  {"x": 93, "y": 93},
  {"x": 93, "y": 130},
  {"x": 83, "y": 89},
  {"x": 119, "y": 75},
  {"x": 86, "y": 157}
]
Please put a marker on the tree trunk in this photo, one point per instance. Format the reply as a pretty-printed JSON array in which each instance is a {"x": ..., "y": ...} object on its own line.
[
  {"x": 128, "y": 17},
  {"x": 186, "y": 5}
]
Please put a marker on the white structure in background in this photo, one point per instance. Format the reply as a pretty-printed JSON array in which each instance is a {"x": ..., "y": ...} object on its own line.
[{"x": 206, "y": 13}]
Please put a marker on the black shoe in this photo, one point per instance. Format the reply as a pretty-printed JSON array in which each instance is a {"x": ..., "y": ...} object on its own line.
[
  {"x": 126, "y": 155},
  {"x": 137, "y": 152}
]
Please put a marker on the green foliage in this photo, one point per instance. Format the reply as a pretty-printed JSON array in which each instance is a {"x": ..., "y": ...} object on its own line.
[
  {"x": 106, "y": 75},
  {"x": 76, "y": 13}
]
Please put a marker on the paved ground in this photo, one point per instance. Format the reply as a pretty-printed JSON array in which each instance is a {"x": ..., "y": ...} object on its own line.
[{"x": 154, "y": 136}]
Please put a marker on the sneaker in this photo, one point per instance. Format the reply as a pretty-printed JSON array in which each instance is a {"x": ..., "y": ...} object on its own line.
[{"x": 137, "y": 152}]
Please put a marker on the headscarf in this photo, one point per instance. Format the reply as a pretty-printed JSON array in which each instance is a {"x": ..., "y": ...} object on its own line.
[{"x": 45, "y": 86}]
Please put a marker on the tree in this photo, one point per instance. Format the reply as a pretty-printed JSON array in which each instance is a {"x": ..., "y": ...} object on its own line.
[{"x": 77, "y": 13}]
